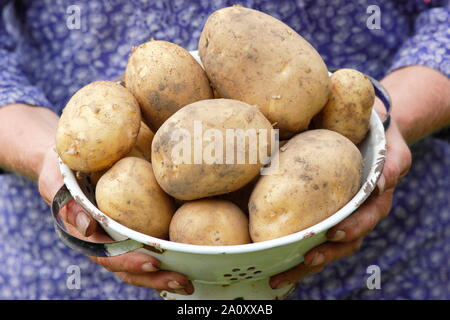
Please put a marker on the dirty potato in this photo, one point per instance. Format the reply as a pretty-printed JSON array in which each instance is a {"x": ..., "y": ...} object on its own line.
[
  {"x": 164, "y": 77},
  {"x": 253, "y": 57},
  {"x": 350, "y": 105},
  {"x": 129, "y": 194},
  {"x": 210, "y": 222},
  {"x": 210, "y": 147},
  {"x": 319, "y": 172},
  {"x": 98, "y": 126}
]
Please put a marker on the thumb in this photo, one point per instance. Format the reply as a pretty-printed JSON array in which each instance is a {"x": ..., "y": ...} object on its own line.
[
  {"x": 50, "y": 181},
  {"x": 76, "y": 216}
]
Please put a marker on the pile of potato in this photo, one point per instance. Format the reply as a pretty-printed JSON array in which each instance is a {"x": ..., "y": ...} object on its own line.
[{"x": 258, "y": 74}]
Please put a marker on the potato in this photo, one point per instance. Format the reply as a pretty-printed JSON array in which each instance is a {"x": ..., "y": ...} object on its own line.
[
  {"x": 319, "y": 172},
  {"x": 143, "y": 147},
  {"x": 210, "y": 222},
  {"x": 129, "y": 194},
  {"x": 98, "y": 126},
  {"x": 164, "y": 77},
  {"x": 253, "y": 57},
  {"x": 189, "y": 165},
  {"x": 136, "y": 153},
  {"x": 350, "y": 104}
]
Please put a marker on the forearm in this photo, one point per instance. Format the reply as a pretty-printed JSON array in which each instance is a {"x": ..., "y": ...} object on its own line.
[
  {"x": 421, "y": 100},
  {"x": 26, "y": 134}
]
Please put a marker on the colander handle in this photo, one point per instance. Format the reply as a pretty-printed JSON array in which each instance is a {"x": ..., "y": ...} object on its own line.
[
  {"x": 97, "y": 249},
  {"x": 382, "y": 94}
]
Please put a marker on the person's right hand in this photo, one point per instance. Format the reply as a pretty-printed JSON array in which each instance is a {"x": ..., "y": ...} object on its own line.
[{"x": 135, "y": 268}]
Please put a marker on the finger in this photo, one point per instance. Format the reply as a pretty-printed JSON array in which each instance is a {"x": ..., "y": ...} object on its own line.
[
  {"x": 293, "y": 275},
  {"x": 161, "y": 280},
  {"x": 364, "y": 220},
  {"x": 397, "y": 162},
  {"x": 76, "y": 216},
  {"x": 50, "y": 179},
  {"x": 49, "y": 182},
  {"x": 133, "y": 262},
  {"x": 380, "y": 108},
  {"x": 314, "y": 262},
  {"x": 331, "y": 251}
]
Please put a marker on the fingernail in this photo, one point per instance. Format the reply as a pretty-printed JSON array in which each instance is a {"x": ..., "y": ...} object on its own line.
[
  {"x": 318, "y": 259},
  {"x": 149, "y": 267},
  {"x": 381, "y": 184},
  {"x": 338, "y": 235},
  {"x": 175, "y": 285},
  {"x": 82, "y": 222},
  {"x": 283, "y": 284}
]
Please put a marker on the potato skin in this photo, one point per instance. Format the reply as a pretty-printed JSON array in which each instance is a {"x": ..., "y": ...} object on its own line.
[
  {"x": 210, "y": 222},
  {"x": 164, "y": 77},
  {"x": 189, "y": 181},
  {"x": 143, "y": 147},
  {"x": 98, "y": 126},
  {"x": 130, "y": 195},
  {"x": 319, "y": 172},
  {"x": 350, "y": 105},
  {"x": 253, "y": 57}
]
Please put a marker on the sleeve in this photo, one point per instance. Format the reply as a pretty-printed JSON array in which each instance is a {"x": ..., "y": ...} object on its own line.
[
  {"x": 14, "y": 84},
  {"x": 430, "y": 44}
]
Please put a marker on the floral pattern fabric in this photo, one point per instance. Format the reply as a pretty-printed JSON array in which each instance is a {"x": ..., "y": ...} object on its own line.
[{"x": 43, "y": 61}]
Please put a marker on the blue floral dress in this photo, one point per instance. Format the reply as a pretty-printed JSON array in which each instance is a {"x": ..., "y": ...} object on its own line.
[{"x": 46, "y": 55}]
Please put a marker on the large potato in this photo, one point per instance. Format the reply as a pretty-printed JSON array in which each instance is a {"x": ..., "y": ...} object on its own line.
[
  {"x": 253, "y": 57},
  {"x": 319, "y": 172},
  {"x": 129, "y": 194},
  {"x": 196, "y": 170},
  {"x": 350, "y": 104},
  {"x": 98, "y": 126},
  {"x": 210, "y": 222},
  {"x": 164, "y": 77}
]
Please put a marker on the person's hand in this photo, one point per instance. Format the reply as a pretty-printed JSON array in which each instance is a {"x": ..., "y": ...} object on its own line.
[
  {"x": 135, "y": 268},
  {"x": 346, "y": 237}
]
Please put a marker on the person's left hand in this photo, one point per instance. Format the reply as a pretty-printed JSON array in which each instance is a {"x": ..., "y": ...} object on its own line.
[{"x": 346, "y": 237}]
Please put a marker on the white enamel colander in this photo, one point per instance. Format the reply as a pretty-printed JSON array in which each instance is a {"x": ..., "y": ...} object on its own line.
[{"x": 223, "y": 272}]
